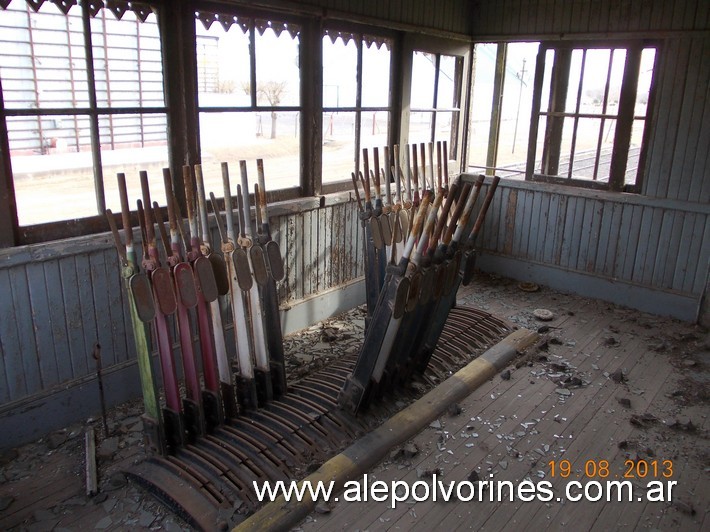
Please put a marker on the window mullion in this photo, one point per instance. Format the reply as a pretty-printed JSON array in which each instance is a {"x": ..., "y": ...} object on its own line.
[
  {"x": 8, "y": 214},
  {"x": 252, "y": 62},
  {"x": 435, "y": 98},
  {"x": 604, "y": 107},
  {"x": 93, "y": 114},
  {"x": 576, "y": 117},
  {"x": 624, "y": 124},
  {"x": 558, "y": 97},
  {"x": 358, "y": 104},
  {"x": 494, "y": 131},
  {"x": 535, "y": 112}
]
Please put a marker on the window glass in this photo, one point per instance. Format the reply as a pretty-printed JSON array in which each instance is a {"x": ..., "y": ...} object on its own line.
[
  {"x": 347, "y": 126},
  {"x": 43, "y": 64},
  {"x": 338, "y": 144},
  {"x": 223, "y": 66},
  {"x": 375, "y": 75},
  {"x": 339, "y": 73},
  {"x": 42, "y": 58},
  {"x": 447, "y": 90},
  {"x": 127, "y": 61},
  {"x": 249, "y": 125},
  {"x": 53, "y": 180},
  {"x": 250, "y": 137},
  {"x": 277, "y": 74},
  {"x": 516, "y": 109},
  {"x": 482, "y": 96},
  {"x": 423, "y": 79},
  {"x": 580, "y": 142}
]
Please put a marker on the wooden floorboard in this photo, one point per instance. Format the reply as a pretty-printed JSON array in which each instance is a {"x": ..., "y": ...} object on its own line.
[
  {"x": 520, "y": 424},
  {"x": 597, "y": 339}
]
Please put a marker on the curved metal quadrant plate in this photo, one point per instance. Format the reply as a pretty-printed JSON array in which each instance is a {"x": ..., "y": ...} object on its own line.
[{"x": 301, "y": 430}]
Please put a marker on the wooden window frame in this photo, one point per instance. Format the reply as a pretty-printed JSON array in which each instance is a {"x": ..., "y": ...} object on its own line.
[
  {"x": 358, "y": 33},
  {"x": 624, "y": 119}
]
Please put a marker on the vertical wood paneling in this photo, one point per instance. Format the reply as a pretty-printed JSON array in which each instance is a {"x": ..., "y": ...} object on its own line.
[
  {"x": 608, "y": 263},
  {"x": 4, "y": 384},
  {"x": 667, "y": 123},
  {"x": 572, "y": 231},
  {"x": 668, "y": 254},
  {"x": 315, "y": 253},
  {"x": 524, "y": 17},
  {"x": 13, "y": 368},
  {"x": 560, "y": 228},
  {"x": 116, "y": 306},
  {"x": 582, "y": 16},
  {"x": 593, "y": 17},
  {"x": 695, "y": 164},
  {"x": 695, "y": 249},
  {"x": 676, "y": 276},
  {"x": 300, "y": 238},
  {"x": 625, "y": 242},
  {"x": 702, "y": 15},
  {"x": 567, "y": 230},
  {"x": 603, "y": 257},
  {"x": 292, "y": 275},
  {"x": 58, "y": 322},
  {"x": 703, "y": 261},
  {"x": 514, "y": 15},
  {"x": 691, "y": 10},
  {"x": 580, "y": 260},
  {"x": 665, "y": 235},
  {"x": 651, "y": 243},
  {"x": 686, "y": 138},
  {"x": 642, "y": 13},
  {"x": 102, "y": 310},
  {"x": 88, "y": 316},
  {"x": 509, "y": 220},
  {"x": 597, "y": 213},
  {"x": 679, "y": 8},
  {"x": 628, "y": 249},
  {"x": 580, "y": 23},
  {"x": 537, "y": 226},
  {"x": 306, "y": 263},
  {"x": 26, "y": 340},
  {"x": 42, "y": 325},
  {"x": 72, "y": 306},
  {"x": 522, "y": 222},
  {"x": 547, "y": 242}
]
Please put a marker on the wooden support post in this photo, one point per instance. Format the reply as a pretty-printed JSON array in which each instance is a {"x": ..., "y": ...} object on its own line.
[
  {"x": 311, "y": 119},
  {"x": 91, "y": 478},
  {"x": 8, "y": 214},
  {"x": 625, "y": 120},
  {"x": 494, "y": 131},
  {"x": 558, "y": 98}
]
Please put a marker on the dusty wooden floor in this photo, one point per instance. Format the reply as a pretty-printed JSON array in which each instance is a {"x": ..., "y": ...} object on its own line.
[{"x": 562, "y": 402}]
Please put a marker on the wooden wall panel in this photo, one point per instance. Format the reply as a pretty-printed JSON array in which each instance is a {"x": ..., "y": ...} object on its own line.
[
  {"x": 57, "y": 303},
  {"x": 443, "y": 15},
  {"x": 641, "y": 241},
  {"x": 550, "y": 17}
]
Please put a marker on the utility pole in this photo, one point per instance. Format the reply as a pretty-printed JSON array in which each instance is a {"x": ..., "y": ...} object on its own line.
[{"x": 521, "y": 75}]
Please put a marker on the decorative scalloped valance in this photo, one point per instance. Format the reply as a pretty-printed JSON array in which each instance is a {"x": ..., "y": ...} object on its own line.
[
  {"x": 117, "y": 7},
  {"x": 369, "y": 40},
  {"x": 227, "y": 21},
  {"x": 279, "y": 27}
]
